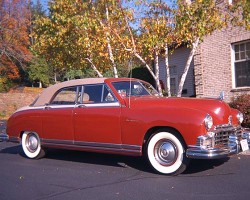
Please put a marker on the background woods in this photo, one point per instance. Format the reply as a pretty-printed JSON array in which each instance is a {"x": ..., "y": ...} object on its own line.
[
  {"x": 14, "y": 40},
  {"x": 82, "y": 38}
]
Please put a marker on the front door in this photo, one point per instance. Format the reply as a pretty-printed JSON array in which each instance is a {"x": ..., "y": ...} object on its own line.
[{"x": 97, "y": 118}]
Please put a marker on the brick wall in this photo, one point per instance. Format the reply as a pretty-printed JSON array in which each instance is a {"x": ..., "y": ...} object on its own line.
[{"x": 214, "y": 65}]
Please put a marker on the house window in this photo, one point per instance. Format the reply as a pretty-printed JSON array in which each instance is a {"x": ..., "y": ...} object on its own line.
[
  {"x": 242, "y": 64},
  {"x": 173, "y": 85},
  {"x": 173, "y": 79}
]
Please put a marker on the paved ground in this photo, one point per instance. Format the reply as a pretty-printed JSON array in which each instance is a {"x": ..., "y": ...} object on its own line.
[{"x": 80, "y": 175}]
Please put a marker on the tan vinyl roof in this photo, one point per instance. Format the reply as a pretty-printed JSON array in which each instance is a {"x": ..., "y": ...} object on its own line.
[{"x": 48, "y": 93}]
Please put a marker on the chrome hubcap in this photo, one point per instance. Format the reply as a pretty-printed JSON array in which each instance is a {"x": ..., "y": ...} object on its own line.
[
  {"x": 32, "y": 143},
  {"x": 165, "y": 152}
]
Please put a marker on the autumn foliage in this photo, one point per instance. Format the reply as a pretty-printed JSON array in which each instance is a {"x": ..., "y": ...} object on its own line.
[
  {"x": 14, "y": 38},
  {"x": 242, "y": 103},
  {"x": 104, "y": 38}
]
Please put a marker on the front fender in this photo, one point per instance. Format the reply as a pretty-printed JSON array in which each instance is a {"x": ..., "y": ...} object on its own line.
[{"x": 136, "y": 122}]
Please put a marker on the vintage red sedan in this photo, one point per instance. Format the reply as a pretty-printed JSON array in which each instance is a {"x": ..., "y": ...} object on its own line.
[{"x": 127, "y": 116}]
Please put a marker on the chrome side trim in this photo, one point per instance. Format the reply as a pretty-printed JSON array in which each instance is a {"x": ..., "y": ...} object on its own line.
[
  {"x": 105, "y": 104},
  {"x": 89, "y": 105},
  {"x": 94, "y": 146},
  {"x": 52, "y": 141}
]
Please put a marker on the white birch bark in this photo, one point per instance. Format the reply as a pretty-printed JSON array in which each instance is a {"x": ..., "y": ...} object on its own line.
[
  {"x": 187, "y": 66},
  {"x": 40, "y": 84},
  {"x": 55, "y": 79},
  {"x": 94, "y": 68},
  {"x": 157, "y": 72},
  {"x": 111, "y": 56},
  {"x": 134, "y": 51},
  {"x": 167, "y": 71}
]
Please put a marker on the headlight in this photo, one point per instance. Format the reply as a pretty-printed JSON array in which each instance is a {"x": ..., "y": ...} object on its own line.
[
  {"x": 208, "y": 122},
  {"x": 240, "y": 117}
]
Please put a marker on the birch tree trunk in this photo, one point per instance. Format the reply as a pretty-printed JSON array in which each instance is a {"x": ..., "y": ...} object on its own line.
[
  {"x": 167, "y": 71},
  {"x": 111, "y": 56},
  {"x": 187, "y": 66},
  {"x": 150, "y": 71},
  {"x": 94, "y": 68},
  {"x": 157, "y": 72},
  {"x": 40, "y": 84},
  {"x": 55, "y": 79},
  {"x": 133, "y": 50}
]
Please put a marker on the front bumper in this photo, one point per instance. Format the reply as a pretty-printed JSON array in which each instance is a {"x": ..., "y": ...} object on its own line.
[
  {"x": 233, "y": 147},
  {"x": 4, "y": 137}
]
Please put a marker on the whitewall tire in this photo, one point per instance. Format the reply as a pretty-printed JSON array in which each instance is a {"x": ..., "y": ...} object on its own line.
[
  {"x": 166, "y": 153},
  {"x": 31, "y": 145}
]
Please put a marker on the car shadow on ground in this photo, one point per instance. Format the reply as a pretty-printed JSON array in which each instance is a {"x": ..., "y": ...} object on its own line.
[
  {"x": 198, "y": 165},
  {"x": 138, "y": 163}
]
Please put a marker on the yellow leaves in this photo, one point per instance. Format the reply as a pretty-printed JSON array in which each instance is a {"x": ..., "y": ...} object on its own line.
[
  {"x": 77, "y": 30},
  {"x": 201, "y": 18},
  {"x": 103, "y": 54}
]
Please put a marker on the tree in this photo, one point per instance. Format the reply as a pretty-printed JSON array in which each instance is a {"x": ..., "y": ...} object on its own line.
[
  {"x": 152, "y": 37},
  {"x": 57, "y": 37},
  {"x": 73, "y": 74},
  {"x": 14, "y": 37},
  {"x": 156, "y": 37},
  {"x": 239, "y": 13},
  {"x": 193, "y": 22},
  {"x": 76, "y": 35},
  {"x": 38, "y": 70},
  {"x": 37, "y": 11}
]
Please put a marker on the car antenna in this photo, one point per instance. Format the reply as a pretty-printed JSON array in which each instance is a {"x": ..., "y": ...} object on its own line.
[{"x": 130, "y": 83}]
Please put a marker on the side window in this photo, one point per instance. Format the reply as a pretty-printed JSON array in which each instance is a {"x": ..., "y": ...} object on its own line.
[
  {"x": 107, "y": 95},
  {"x": 97, "y": 94},
  {"x": 66, "y": 96}
]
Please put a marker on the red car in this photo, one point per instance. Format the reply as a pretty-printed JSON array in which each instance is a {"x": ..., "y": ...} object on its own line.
[{"x": 127, "y": 116}]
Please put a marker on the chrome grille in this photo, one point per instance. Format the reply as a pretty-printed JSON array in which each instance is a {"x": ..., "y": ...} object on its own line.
[{"x": 222, "y": 134}]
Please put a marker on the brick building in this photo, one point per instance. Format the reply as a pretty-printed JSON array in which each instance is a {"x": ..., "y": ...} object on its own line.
[{"x": 221, "y": 63}]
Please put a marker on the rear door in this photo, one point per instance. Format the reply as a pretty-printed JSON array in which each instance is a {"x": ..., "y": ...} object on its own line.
[{"x": 57, "y": 123}]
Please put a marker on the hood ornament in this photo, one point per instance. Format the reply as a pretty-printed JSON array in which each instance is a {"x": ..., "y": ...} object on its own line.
[{"x": 222, "y": 95}]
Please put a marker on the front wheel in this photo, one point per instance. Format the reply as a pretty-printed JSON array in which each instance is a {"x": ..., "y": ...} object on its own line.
[
  {"x": 32, "y": 146},
  {"x": 166, "y": 153}
]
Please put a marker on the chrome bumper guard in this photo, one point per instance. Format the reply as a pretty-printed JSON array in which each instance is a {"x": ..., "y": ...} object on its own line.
[
  {"x": 199, "y": 152},
  {"x": 4, "y": 137}
]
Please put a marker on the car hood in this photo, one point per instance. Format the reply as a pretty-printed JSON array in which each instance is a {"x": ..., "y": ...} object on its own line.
[{"x": 218, "y": 109}]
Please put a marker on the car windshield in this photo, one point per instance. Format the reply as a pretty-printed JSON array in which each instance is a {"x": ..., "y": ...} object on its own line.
[{"x": 134, "y": 88}]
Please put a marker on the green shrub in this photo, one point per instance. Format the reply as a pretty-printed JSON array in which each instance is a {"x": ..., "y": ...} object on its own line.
[
  {"x": 5, "y": 84},
  {"x": 242, "y": 103},
  {"x": 143, "y": 74}
]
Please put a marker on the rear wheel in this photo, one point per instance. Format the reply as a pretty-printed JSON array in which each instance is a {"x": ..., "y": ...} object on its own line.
[
  {"x": 166, "y": 153},
  {"x": 32, "y": 146}
]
